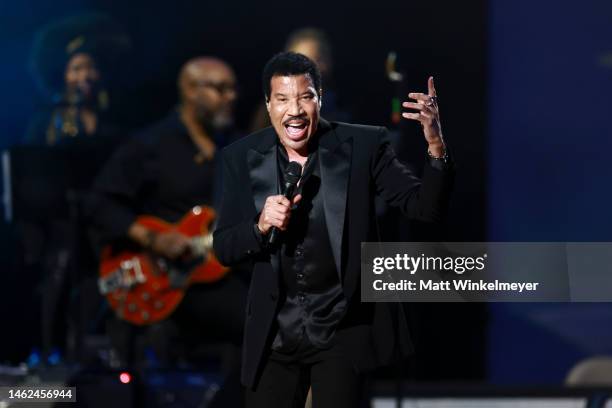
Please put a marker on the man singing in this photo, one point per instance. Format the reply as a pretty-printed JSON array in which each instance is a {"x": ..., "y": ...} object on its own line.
[{"x": 306, "y": 324}]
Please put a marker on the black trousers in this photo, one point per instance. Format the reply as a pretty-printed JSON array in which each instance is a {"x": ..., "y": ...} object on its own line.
[{"x": 286, "y": 378}]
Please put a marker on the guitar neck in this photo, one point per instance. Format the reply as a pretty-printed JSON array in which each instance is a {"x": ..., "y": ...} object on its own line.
[{"x": 202, "y": 244}]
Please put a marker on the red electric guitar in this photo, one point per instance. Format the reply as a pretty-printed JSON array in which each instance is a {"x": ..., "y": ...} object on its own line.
[{"x": 143, "y": 288}]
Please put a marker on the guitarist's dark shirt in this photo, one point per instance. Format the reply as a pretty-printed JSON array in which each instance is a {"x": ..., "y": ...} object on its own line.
[{"x": 159, "y": 172}]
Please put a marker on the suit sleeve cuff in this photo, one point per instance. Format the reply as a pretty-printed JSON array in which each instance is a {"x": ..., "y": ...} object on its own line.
[
  {"x": 258, "y": 235},
  {"x": 442, "y": 164}
]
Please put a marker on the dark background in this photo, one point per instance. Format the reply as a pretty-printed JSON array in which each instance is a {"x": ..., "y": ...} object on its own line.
[{"x": 524, "y": 96}]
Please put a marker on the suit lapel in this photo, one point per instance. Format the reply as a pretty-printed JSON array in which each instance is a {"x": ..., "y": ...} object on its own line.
[
  {"x": 263, "y": 169},
  {"x": 335, "y": 166},
  {"x": 263, "y": 172}
]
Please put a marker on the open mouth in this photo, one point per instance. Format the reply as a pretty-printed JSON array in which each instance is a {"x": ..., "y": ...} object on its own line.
[{"x": 296, "y": 128}]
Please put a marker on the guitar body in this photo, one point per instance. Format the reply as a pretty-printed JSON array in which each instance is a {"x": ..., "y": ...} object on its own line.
[{"x": 143, "y": 288}]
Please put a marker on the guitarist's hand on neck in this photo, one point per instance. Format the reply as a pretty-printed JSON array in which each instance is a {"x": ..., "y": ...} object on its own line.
[{"x": 172, "y": 245}]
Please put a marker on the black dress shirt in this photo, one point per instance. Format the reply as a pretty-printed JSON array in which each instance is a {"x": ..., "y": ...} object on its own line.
[{"x": 314, "y": 302}]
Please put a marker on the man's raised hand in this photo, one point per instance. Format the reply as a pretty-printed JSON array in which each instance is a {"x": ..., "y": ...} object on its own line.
[{"x": 428, "y": 114}]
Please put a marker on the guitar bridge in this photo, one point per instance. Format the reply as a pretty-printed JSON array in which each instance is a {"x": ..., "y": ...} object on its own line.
[{"x": 125, "y": 277}]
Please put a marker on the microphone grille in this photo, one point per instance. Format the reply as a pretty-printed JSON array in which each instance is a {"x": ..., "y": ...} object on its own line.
[{"x": 293, "y": 172}]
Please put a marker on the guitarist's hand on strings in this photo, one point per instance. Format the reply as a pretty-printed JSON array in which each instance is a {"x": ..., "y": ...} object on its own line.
[{"x": 172, "y": 245}]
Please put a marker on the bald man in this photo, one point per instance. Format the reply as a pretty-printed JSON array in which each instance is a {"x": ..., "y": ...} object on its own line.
[
  {"x": 166, "y": 170},
  {"x": 207, "y": 91},
  {"x": 207, "y": 88}
]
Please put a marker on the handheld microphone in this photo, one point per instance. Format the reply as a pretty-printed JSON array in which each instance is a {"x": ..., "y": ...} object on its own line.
[{"x": 293, "y": 172}]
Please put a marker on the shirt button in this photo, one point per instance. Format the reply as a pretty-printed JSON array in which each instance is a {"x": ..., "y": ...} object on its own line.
[
  {"x": 301, "y": 297},
  {"x": 299, "y": 251},
  {"x": 300, "y": 276}
]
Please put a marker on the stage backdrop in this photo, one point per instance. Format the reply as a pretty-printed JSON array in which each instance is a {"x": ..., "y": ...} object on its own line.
[{"x": 550, "y": 105}]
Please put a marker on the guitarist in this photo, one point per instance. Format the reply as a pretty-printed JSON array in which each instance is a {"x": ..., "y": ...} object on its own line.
[{"x": 164, "y": 172}]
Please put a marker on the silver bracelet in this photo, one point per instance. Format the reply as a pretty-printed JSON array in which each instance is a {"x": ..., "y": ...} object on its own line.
[{"x": 444, "y": 157}]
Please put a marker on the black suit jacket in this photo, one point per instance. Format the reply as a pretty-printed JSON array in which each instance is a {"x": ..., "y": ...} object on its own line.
[{"x": 357, "y": 163}]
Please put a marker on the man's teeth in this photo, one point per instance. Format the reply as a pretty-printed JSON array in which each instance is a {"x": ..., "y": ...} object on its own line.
[{"x": 296, "y": 130}]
